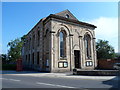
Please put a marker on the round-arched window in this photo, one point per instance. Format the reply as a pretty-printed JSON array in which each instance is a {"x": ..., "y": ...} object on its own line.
[
  {"x": 87, "y": 42},
  {"x": 67, "y": 16},
  {"x": 62, "y": 37}
]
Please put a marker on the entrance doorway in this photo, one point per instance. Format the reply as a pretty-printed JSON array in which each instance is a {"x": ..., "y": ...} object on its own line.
[{"x": 77, "y": 59}]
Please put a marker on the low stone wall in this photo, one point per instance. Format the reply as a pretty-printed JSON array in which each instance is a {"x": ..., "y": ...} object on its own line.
[{"x": 96, "y": 72}]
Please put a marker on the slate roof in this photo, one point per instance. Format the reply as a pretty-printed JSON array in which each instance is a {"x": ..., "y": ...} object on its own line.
[
  {"x": 62, "y": 16},
  {"x": 72, "y": 18}
]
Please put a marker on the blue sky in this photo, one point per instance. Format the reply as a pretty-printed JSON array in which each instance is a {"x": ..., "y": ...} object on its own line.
[{"x": 18, "y": 18}]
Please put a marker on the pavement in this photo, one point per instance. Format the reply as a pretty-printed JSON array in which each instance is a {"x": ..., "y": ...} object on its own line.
[{"x": 56, "y": 75}]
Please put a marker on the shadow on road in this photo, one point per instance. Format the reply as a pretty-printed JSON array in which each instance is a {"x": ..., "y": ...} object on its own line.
[
  {"x": 20, "y": 72},
  {"x": 115, "y": 82}
]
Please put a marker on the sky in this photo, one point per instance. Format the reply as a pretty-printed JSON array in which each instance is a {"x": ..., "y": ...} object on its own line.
[{"x": 18, "y": 18}]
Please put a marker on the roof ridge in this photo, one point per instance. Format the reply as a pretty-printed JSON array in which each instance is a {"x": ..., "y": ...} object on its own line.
[{"x": 62, "y": 11}]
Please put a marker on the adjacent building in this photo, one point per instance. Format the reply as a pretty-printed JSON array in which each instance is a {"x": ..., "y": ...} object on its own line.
[{"x": 60, "y": 43}]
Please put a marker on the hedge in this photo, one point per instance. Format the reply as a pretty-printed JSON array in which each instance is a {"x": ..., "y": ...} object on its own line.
[{"x": 8, "y": 66}]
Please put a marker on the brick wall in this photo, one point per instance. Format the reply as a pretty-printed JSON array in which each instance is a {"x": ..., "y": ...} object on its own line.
[{"x": 107, "y": 64}]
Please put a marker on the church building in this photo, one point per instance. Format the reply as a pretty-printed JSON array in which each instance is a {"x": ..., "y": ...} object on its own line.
[{"x": 60, "y": 43}]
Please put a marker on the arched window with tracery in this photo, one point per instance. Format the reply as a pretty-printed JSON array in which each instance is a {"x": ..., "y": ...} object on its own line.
[
  {"x": 62, "y": 37},
  {"x": 87, "y": 41}
]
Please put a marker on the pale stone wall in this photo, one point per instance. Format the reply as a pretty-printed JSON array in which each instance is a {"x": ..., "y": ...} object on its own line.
[
  {"x": 74, "y": 42},
  {"x": 49, "y": 46},
  {"x": 28, "y": 48}
]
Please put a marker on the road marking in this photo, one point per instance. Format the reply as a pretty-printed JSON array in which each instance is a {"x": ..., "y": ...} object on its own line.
[
  {"x": 10, "y": 79},
  {"x": 14, "y": 80},
  {"x": 55, "y": 85},
  {"x": 4, "y": 78}
]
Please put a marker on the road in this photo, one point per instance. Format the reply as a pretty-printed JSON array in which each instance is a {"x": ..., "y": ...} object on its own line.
[{"x": 18, "y": 81}]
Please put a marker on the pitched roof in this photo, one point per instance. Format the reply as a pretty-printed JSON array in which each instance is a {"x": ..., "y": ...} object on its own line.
[
  {"x": 62, "y": 15},
  {"x": 70, "y": 18}
]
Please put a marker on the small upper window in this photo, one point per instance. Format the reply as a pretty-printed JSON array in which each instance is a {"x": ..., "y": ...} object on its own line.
[{"x": 67, "y": 16}]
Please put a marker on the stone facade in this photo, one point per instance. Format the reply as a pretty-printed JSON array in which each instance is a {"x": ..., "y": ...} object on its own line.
[{"x": 60, "y": 43}]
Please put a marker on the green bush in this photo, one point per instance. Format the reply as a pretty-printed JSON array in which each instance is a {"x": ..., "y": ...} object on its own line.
[{"x": 9, "y": 67}]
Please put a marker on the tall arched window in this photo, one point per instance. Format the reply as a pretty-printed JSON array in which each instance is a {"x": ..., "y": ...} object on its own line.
[
  {"x": 87, "y": 40},
  {"x": 62, "y": 44}
]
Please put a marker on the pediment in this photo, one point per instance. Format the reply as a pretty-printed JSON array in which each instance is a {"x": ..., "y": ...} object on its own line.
[{"x": 67, "y": 14}]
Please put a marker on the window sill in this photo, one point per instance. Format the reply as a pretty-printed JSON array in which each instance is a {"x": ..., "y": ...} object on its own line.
[{"x": 63, "y": 58}]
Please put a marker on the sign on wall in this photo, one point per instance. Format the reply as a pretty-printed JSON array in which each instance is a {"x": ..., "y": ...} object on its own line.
[
  {"x": 62, "y": 64},
  {"x": 89, "y": 63}
]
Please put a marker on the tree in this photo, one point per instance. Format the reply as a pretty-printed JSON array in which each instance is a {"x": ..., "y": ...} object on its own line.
[
  {"x": 117, "y": 56},
  {"x": 4, "y": 58},
  {"x": 104, "y": 50},
  {"x": 15, "y": 47}
]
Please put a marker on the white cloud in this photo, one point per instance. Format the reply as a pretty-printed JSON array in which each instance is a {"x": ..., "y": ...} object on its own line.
[{"x": 107, "y": 29}]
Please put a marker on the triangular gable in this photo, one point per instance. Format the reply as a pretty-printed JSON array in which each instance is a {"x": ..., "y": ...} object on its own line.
[{"x": 67, "y": 14}]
